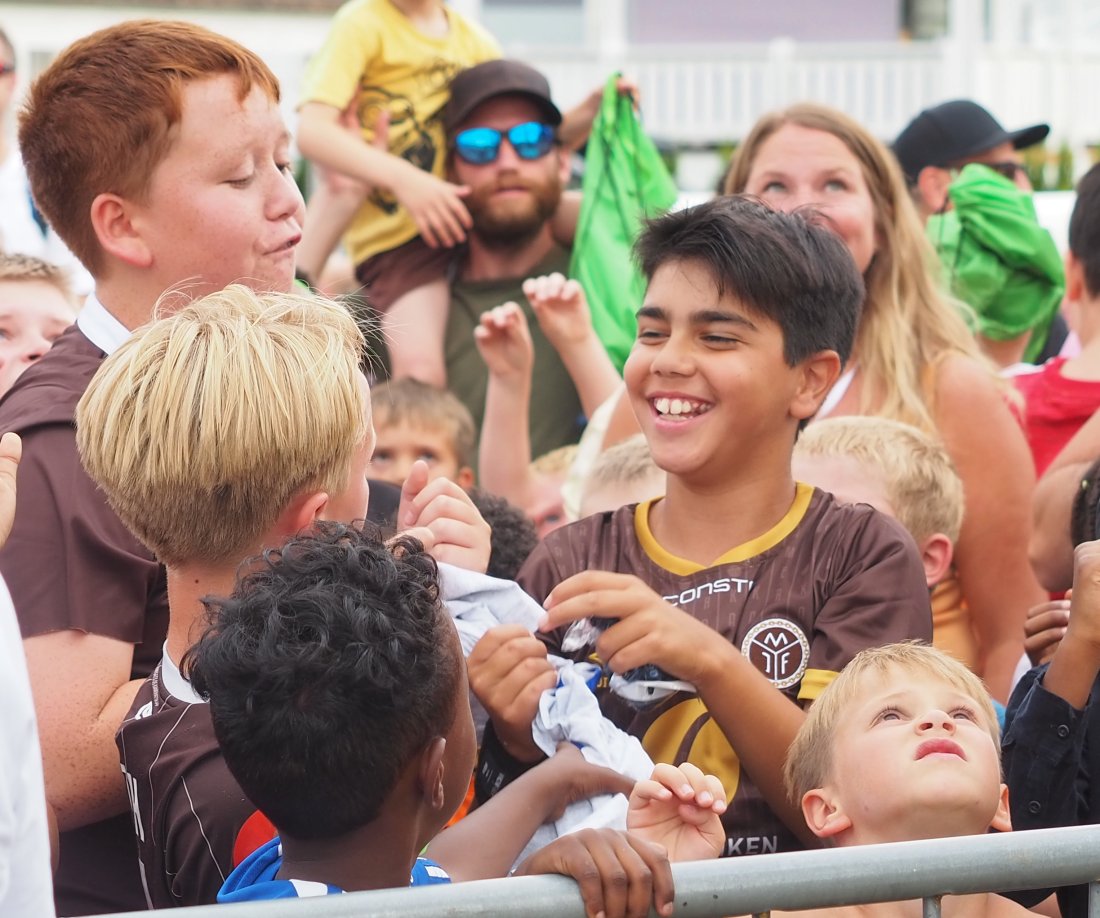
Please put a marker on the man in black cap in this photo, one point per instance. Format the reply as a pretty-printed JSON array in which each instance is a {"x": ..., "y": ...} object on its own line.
[
  {"x": 948, "y": 136},
  {"x": 981, "y": 220},
  {"x": 505, "y": 143}
]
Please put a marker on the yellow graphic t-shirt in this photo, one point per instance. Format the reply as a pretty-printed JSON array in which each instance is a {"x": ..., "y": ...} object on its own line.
[{"x": 377, "y": 57}]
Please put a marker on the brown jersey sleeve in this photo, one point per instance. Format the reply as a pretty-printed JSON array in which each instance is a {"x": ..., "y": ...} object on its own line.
[
  {"x": 70, "y": 563},
  {"x": 878, "y": 595}
]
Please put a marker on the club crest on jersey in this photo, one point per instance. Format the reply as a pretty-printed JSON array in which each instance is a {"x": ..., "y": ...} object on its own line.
[{"x": 779, "y": 649}]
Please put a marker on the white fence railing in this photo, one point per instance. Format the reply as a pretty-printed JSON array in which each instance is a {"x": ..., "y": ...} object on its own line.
[
  {"x": 750, "y": 885},
  {"x": 696, "y": 94}
]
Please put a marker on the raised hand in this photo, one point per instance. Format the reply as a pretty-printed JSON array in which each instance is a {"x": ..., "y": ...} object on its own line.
[
  {"x": 679, "y": 808},
  {"x": 561, "y": 308},
  {"x": 504, "y": 341},
  {"x": 444, "y": 518}
]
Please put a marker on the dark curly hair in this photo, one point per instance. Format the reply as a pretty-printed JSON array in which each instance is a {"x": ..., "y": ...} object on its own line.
[
  {"x": 513, "y": 536},
  {"x": 329, "y": 668}
]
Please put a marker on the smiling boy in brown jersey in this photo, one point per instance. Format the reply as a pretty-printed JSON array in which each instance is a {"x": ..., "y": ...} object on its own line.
[{"x": 740, "y": 594}]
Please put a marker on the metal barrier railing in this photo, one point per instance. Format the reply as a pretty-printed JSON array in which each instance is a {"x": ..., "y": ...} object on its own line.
[{"x": 750, "y": 885}]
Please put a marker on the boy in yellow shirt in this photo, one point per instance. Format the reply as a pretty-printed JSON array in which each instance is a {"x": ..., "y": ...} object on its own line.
[{"x": 392, "y": 62}]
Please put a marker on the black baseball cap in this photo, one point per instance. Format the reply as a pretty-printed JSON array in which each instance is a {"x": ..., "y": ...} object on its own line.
[
  {"x": 951, "y": 131},
  {"x": 486, "y": 81}
]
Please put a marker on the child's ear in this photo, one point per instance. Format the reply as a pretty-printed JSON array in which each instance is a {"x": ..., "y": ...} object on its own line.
[
  {"x": 1075, "y": 278},
  {"x": 819, "y": 372},
  {"x": 1002, "y": 819},
  {"x": 465, "y": 478},
  {"x": 936, "y": 554},
  {"x": 823, "y": 814},
  {"x": 431, "y": 773},
  {"x": 117, "y": 231},
  {"x": 301, "y": 512}
]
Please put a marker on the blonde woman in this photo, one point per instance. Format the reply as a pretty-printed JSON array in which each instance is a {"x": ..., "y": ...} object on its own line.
[{"x": 915, "y": 360}]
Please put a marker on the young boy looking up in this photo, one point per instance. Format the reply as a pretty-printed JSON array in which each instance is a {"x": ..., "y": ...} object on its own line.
[
  {"x": 334, "y": 660},
  {"x": 749, "y": 591},
  {"x": 902, "y": 746},
  {"x": 157, "y": 152},
  {"x": 36, "y": 306},
  {"x": 902, "y": 472},
  {"x": 415, "y": 421}
]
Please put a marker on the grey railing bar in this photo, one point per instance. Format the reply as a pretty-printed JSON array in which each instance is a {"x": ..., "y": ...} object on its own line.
[{"x": 747, "y": 885}]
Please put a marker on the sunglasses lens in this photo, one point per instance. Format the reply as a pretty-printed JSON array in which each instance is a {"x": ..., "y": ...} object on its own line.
[
  {"x": 1007, "y": 169},
  {"x": 478, "y": 146},
  {"x": 531, "y": 140}
]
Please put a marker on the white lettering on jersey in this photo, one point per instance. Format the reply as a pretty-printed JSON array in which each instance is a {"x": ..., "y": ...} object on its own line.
[{"x": 721, "y": 585}]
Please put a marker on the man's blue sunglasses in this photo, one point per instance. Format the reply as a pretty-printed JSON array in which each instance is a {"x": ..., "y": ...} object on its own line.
[{"x": 481, "y": 145}]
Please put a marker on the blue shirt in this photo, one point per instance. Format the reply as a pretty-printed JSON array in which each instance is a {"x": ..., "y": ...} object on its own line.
[{"x": 254, "y": 878}]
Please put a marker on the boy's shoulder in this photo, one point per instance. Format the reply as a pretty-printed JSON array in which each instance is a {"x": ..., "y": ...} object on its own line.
[
  {"x": 49, "y": 390},
  {"x": 190, "y": 810}
]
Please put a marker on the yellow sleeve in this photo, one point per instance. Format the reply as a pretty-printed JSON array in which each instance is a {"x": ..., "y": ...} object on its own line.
[
  {"x": 349, "y": 51},
  {"x": 814, "y": 682}
]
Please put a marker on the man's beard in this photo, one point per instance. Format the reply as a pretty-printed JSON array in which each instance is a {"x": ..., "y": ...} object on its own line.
[{"x": 504, "y": 224}]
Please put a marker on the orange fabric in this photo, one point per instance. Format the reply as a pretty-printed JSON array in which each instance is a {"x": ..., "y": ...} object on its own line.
[
  {"x": 951, "y": 631},
  {"x": 467, "y": 805}
]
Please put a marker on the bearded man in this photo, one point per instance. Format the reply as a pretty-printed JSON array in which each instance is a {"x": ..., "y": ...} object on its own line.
[{"x": 502, "y": 144}]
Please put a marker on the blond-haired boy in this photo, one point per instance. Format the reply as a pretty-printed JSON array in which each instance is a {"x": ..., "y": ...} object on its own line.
[
  {"x": 216, "y": 433},
  {"x": 414, "y": 420},
  {"x": 903, "y": 745},
  {"x": 622, "y": 474},
  {"x": 902, "y": 472}
]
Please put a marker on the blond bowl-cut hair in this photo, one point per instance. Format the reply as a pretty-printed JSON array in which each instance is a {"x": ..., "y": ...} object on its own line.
[
  {"x": 204, "y": 424},
  {"x": 810, "y": 759},
  {"x": 921, "y": 483}
]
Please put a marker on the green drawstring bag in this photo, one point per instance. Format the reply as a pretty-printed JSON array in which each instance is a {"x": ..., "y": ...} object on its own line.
[
  {"x": 998, "y": 259},
  {"x": 625, "y": 181}
]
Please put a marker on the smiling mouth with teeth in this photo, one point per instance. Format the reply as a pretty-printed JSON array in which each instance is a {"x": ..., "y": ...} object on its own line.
[{"x": 679, "y": 407}]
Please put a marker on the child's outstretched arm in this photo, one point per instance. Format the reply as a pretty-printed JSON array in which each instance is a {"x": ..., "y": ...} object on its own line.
[
  {"x": 564, "y": 317},
  {"x": 487, "y": 842},
  {"x": 679, "y": 808},
  {"x": 436, "y": 206},
  {"x": 504, "y": 453},
  {"x": 333, "y": 204}
]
